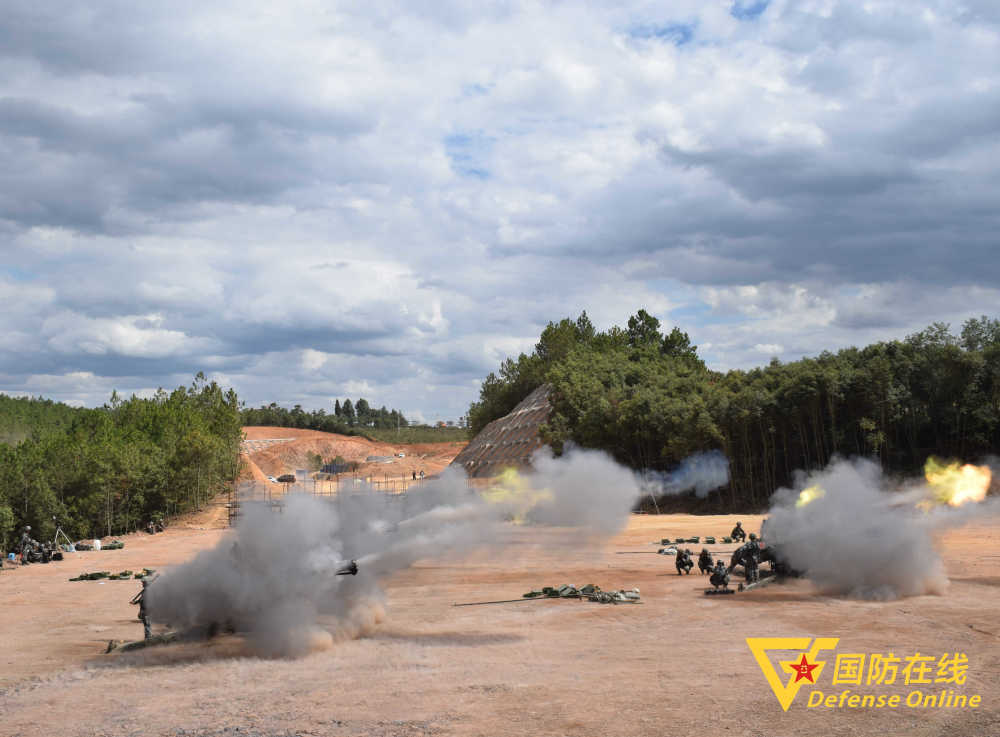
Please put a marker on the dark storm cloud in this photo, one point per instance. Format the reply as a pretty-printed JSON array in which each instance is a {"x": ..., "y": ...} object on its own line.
[{"x": 72, "y": 170}]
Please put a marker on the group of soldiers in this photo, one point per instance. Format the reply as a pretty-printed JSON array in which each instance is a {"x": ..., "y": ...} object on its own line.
[{"x": 748, "y": 555}]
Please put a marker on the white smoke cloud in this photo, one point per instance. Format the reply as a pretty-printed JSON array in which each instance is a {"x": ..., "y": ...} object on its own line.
[
  {"x": 860, "y": 538},
  {"x": 274, "y": 578},
  {"x": 702, "y": 472}
]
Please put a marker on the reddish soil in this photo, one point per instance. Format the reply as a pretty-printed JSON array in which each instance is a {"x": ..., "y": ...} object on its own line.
[
  {"x": 677, "y": 664},
  {"x": 277, "y": 458}
]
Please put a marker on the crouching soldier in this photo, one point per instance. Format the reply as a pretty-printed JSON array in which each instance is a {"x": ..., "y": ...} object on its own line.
[
  {"x": 738, "y": 534},
  {"x": 720, "y": 575},
  {"x": 705, "y": 561},
  {"x": 684, "y": 563}
]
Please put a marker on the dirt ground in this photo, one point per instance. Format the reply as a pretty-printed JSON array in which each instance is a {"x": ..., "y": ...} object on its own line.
[
  {"x": 277, "y": 458},
  {"x": 677, "y": 664}
]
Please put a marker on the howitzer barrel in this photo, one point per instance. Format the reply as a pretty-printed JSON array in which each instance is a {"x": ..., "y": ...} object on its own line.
[{"x": 512, "y": 601}]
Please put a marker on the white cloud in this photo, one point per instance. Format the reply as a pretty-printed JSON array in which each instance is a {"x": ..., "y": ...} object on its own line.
[
  {"x": 399, "y": 196},
  {"x": 137, "y": 336}
]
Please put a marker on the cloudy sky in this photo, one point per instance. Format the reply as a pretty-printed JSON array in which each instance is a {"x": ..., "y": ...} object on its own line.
[{"x": 310, "y": 200}]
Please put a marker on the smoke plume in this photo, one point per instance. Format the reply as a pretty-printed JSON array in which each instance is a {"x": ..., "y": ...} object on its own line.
[
  {"x": 274, "y": 576},
  {"x": 850, "y": 534},
  {"x": 702, "y": 472}
]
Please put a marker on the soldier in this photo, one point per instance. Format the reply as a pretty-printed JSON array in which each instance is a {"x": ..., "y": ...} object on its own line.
[
  {"x": 751, "y": 559},
  {"x": 705, "y": 561},
  {"x": 738, "y": 533},
  {"x": 26, "y": 545},
  {"x": 720, "y": 575},
  {"x": 140, "y": 599},
  {"x": 684, "y": 563}
]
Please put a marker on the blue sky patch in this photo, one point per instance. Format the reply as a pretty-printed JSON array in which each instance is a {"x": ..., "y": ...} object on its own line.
[
  {"x": 748, "y": 9},
  {"x": 676, "y": 33},
  {"x": 467, "y": 152},
  {"x": 19, "y": 275}
]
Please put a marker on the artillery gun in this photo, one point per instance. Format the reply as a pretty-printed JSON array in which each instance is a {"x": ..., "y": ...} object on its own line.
[{"x": 351, "y": 569}]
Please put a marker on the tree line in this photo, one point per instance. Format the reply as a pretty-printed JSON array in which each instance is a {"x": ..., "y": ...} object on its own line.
[
  {"x": 347, "y": 418},
  {"x": 106, "y": 471},
  {"x": 649, "y": 400}
]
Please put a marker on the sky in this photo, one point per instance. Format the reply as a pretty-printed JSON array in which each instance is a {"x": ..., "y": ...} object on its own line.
[{"x": 319, "y": 200}]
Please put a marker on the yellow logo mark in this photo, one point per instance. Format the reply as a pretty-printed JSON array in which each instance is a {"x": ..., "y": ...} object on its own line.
[{"x": 801, "y": 670}]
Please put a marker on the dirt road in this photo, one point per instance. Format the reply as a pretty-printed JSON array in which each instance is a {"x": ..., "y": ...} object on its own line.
[{"x": 678, "y": 664}]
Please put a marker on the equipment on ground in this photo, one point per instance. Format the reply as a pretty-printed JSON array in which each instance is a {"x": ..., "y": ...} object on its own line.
[
  {"x": 760, "y": 582},
  {"x": 590, "y": 592}
]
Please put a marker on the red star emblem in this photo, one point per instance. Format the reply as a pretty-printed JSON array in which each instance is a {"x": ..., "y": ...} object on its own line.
[{"x": 803, "y": 669}]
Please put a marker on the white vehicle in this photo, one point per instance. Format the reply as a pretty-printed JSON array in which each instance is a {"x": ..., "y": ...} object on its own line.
[{"x": 272, "y": 479}]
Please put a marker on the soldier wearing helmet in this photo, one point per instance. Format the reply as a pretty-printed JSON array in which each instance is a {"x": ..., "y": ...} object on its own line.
[
  {"x": 720, "y": 575},
  {"x": 26, "y": 545},
  {"x": 751, "y": 559},
  {"x": 705, "y": 561},
  {"x": 684, "y": 563},
  {"x": 738, "y": 533}
]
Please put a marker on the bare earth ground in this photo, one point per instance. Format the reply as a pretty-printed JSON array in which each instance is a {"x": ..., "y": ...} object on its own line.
[
  {"x": 676, "y": 664},
  {"x": 285, "y": 457}
]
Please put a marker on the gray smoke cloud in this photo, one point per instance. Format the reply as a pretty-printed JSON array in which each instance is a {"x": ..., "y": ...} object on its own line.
[
  {"x": 861, "y": 537},
  {"x": 702, "y": 472},
  {"x": 274, "y": 576}
]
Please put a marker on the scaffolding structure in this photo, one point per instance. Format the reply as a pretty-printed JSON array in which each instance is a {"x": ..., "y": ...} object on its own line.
[{"x": 273, "y": 494}]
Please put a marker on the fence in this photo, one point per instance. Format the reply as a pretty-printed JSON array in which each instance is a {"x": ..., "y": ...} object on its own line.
[{"x": 274, "y": 494}]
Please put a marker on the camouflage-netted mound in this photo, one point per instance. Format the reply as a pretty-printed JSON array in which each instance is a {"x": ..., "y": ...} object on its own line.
[{"x": 509, "y": 441}]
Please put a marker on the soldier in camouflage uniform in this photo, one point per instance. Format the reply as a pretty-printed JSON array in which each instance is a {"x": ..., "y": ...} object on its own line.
[
  {"x": 705, "y": 561},
  {"x": 140, "y": 599},
  {"x": 720, "y": 575},
  {"x": 26, "y": 545},
  {"x": 684, "y": 563},
  {"x": 751, "y": 559},
  {"x": 738, "y": 532}
]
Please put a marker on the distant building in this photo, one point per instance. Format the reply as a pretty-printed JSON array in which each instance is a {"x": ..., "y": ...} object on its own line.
[{"x": 509, "y": 441}]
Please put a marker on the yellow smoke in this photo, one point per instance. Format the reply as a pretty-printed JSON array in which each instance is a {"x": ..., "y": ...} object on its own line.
[
  {"x": 809, "y": 494},
  {"x": 515, "y": 492},
  {"x": 955, "y": 485}
]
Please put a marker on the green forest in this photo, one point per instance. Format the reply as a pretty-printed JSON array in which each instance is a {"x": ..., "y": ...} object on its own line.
[
  {"x": 106, "y": 471},
  {"x": 349, "y": 418},
  {"x": 648, "y": 399},
  {"x": 354, "y": 418}
]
